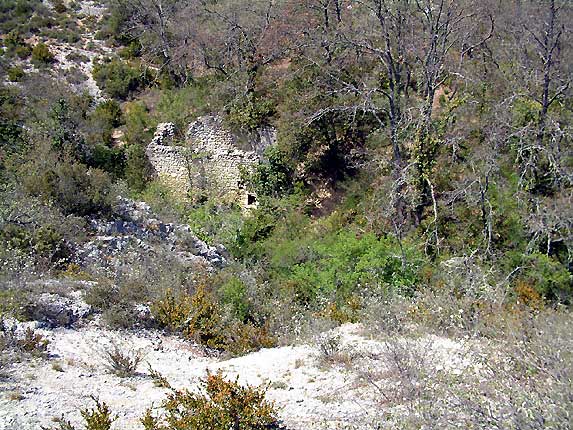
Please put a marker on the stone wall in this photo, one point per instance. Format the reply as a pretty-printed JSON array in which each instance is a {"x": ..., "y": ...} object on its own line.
[
  {"x": 209, "y": 160},
  {"x": 169, "y": 162}
]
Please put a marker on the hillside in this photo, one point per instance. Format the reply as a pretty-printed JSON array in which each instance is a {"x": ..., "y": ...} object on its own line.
[{"x": 291, "y": 214}]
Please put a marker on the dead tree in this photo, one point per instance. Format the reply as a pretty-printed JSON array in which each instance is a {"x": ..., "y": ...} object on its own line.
[{"x": 379, "y": 31}]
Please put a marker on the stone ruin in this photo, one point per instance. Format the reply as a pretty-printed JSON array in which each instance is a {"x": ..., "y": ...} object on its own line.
[{"x": 209, "y": 159}]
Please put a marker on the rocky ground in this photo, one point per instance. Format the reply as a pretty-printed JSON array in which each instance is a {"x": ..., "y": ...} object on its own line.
[
  {"x": 135, "y": 229},
  {"x": 74, "y": 62},
  {"x": 90, "y": 49},
  {"x": 340, "y": 379},
  {"x": 312, "y": 386}
]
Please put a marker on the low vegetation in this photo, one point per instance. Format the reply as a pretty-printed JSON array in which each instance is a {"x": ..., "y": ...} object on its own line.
[
  {"x": 122, "y": 360},
  {"x": 41, "y": 55},
  {"x": 221, "y": 404},
  {"x": 98, "y": 418},
  {"x": 118, "y": 79},
  {"x": 15, "y": 343}
]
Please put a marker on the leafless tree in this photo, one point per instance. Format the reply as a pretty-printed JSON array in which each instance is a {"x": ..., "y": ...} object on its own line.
[
  {"x": 242, "y": 37},
  {"x": 384, "y": 38},
  {"x": 325, "y": 16},
  {"x": 439, "y": 23},
  {"x": 536, "y": 39},
  {"x": 163, "y": 28},
  {"x": 548, "y": 41}
]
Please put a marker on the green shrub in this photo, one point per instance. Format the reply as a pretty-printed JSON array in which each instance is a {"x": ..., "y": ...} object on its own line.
[
  {"x": 234, "y": 294},
  {"x": 43, "y": 241},
  {"x": 112, "y": 26},
  {"x": 12, "y": 132},
  {"x": 250, "y": 113},
  {"x": 131, "y": 51},
  {"x": 13, "y": 303},
  {"x": 24, "y": 16},
  {"x": 221, "y": 405},
  {"x": 59, "y": 6},
  {"x": 255, "y": 229},
  {"x": 66, "y": 140},
  {"x": 15, "y": 44},
  {"x": 138, "y": 124},
  {"x": 75, "y": 188},
  {"x": 547, "y": 276},
  {"x": 137, "y": 168},
  {"x": 98, "y": 418},
  {"x": 13, "y": 39},
  {"x": 101, "y": 296},
  {"x": 343, "y": 263},
  {"x": 205, "y": 323},
  {"x": 67, "y": 31},
  {"x": 75, "y": 272},
  {"x": 344, "y": 311},
  {"x": 75, "y": 76},
  {"x": 138, "y": 132},
  {"x": 182, "y": 105},
  {"x": 37, "y": 24},
  {"x": 110, "y": 160},
  {"x": 200, "y": 317},
  {"x": 163, "y": 200},
  {"x": 213, "y": 222},
  {"x": 23, "y": 51},
  {"x": 15, "y": 74},
  {"x": 525, "y": 111},
  {"x": 117, "y": 304},
  {"x": 273, "y": 177},
  {"x": 102, "y": 121},
  {"x": 122, "y": 316},
  {"x": 41, "y": 55},
  {"x": 118, "y": 79},
  {"x": 242, "y": 338},
  {"x": 109, "y": 111},
  {"x": 77, "y": 57},
  {"x": 16, "y": 236},
  {"x": 172, "y": 311}
]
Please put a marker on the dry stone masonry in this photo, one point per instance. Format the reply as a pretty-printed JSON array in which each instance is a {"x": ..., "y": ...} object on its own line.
[
  {"x": 170, "y": 162},
  {"x": 209, "y": 160}
]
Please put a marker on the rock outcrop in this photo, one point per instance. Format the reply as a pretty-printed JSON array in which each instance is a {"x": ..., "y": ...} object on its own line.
[
  {"x": 137, "y": 230},
  {"x": 53, "y": 310}
]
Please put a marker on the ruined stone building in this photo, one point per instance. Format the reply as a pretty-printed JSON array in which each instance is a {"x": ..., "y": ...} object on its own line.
[{"x": 209, "y": 160}]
